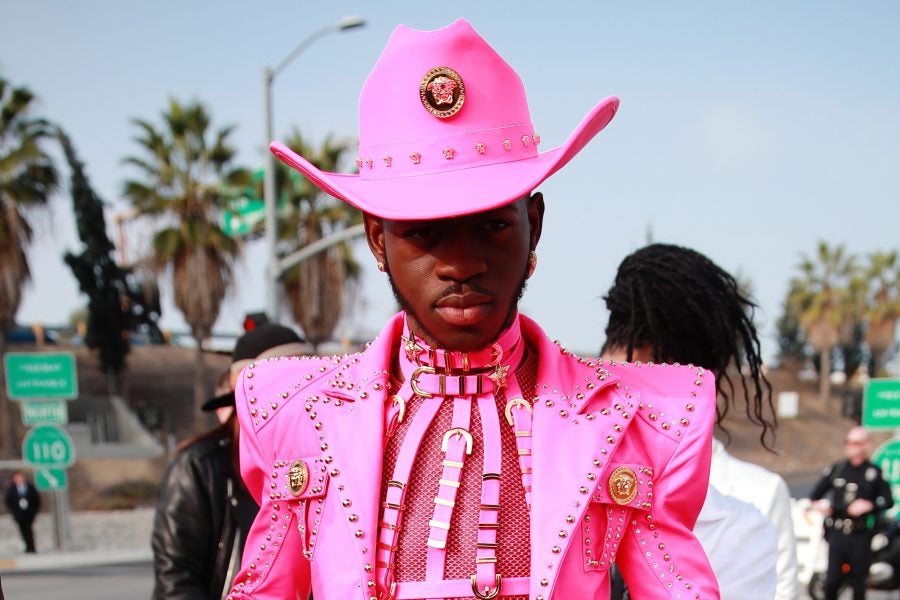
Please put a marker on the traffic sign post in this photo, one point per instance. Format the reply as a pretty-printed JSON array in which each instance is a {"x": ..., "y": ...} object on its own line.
[
  {"x": 43, "y": 381},
  {"x": 881, "y": 404},
  {"x": 887, "y": 456},
  {"x": 41, "y": 375},
  {"x": 50, "y": 447}
]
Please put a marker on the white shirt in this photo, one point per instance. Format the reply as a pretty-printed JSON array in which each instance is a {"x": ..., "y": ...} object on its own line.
[
  {"x": 768, "y": 492},
  {"x": 741, "y": 545}
]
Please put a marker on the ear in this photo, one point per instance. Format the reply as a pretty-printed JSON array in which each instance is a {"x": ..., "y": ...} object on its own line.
[
  {"x": 375, "y": 235},
  {"x": 535, "y": 218}
]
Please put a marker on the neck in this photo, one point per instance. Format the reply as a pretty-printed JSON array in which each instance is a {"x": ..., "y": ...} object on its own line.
[
  {"x": 418, "y": 350},
  {"x": 505, "y": 350}
]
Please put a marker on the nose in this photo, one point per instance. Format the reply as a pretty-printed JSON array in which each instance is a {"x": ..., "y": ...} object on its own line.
[{"x": 460, "y": 258}]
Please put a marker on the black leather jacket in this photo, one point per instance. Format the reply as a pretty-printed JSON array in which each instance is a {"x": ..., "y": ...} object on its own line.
[{"x": 203, "y": 513}]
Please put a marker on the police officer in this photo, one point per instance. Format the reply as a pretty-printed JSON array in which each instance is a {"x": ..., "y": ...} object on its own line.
[{"x": 850, "y": 494}]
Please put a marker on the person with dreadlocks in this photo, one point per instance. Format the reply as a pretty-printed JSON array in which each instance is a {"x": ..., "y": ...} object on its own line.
[{"x": 671, "y": 304}]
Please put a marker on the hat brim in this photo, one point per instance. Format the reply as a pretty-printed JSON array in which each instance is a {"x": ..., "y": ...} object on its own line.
[
  {"x": 220, "y": 401},
  {"x": 452, "y": 193}
]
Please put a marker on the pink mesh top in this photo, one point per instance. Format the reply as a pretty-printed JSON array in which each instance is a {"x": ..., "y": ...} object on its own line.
[{"x": 513, "y": 536}]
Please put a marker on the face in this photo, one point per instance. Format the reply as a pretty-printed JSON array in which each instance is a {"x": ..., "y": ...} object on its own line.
[
  {"x": 223, "y": 413},
  {"x": 459, "y": 279},
  {"x": 857, "y": 444}
]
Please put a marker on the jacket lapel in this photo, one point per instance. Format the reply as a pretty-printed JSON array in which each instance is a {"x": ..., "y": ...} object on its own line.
[
  {"x": 572, "y": 449},
  {"x": 353, "y": 436}
]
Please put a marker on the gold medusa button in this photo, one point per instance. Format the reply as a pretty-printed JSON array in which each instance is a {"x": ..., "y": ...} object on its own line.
[
  {"x": 623, "y": 485},
  {"x": 442, "y": 92},
  {"x": 298, "y": 477}
]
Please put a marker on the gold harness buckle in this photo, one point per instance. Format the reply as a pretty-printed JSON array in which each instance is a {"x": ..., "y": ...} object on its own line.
[
  {"x": 488, "y": 593},
  {"x": 513, "y": 403},
  {"x": 398, "y": 400},
  {"x": 460, "y": 432},
  {"x": 414, "y": 381}
]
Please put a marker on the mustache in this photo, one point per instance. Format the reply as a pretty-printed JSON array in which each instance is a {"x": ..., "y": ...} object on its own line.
[{"x": 460, "y": 288}]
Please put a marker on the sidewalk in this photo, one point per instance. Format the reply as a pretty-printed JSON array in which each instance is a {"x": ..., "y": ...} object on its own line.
[{"x": 95, "y": 538}]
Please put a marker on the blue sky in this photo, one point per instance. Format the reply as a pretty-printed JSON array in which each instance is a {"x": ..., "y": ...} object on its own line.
[{"x": 747, "y": 130}]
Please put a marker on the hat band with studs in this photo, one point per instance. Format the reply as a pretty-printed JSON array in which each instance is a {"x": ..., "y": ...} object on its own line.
[{"x": 448, "y": 153}]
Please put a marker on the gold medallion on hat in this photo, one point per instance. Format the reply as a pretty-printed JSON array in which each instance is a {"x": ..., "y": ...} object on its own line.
[
  {"x": 623, "y": 485},
  {"x": 442, "y": 92},
  {"x": 298, "y": 477}
]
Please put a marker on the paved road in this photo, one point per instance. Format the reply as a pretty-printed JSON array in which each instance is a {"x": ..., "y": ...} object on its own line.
[{"x": 106, "y": 582}]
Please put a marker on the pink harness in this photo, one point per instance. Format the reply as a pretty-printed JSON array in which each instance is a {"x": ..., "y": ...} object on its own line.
[{"x": 435, "y": 379}]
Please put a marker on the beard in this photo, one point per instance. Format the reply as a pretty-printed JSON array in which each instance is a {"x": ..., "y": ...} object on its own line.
[{"x": 406, "y": 306}]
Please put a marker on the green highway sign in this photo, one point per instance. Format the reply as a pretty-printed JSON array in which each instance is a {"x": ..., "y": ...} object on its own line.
[
  {"x": 881, "y": 404},
  {"x": 244, "y": 217},
  {"x": 39, "y": 375},
  {"x": 887, "y": 456},
  {"x": 48, "y": 445},
  {"x": 44, "y": 411},
  {"x": 50, "y": 479}
]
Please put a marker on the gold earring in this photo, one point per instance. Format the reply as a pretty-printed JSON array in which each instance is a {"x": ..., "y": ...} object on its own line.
[
  {"x": 532, "y": 262},
  {"x": 381, "y": 266}
]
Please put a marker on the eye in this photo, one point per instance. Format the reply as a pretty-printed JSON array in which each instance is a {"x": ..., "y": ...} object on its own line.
[
  {"x": 496, "y": 225},
  {"x": 420, "y": 234}
]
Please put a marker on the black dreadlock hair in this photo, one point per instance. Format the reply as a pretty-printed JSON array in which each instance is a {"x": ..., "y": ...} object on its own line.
[{"x": 682, "y": 307}]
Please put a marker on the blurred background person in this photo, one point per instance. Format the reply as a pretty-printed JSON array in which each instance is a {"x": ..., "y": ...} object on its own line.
[
  {"x": 850, "y": 495},
  {"x": 203, "y": 510},
  {"x": 24, "y": 503},
  {"x": 671, "y": 304}
]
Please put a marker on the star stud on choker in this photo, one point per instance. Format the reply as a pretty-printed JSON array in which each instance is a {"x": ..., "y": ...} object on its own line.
[
  {"x": 412, "y": 349},
  {"x": 499, "y": 375}
]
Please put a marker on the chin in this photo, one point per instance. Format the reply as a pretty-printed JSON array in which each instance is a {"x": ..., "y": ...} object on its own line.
[{"x": 466, "y": 339}]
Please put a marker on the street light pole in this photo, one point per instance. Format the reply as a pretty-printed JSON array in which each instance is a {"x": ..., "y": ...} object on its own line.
[
  {"x": 273, "y": 269},
  {"x": 273, "y": 300}
]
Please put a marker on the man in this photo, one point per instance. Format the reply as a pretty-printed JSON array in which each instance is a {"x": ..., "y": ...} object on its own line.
[
  {"x": 850, "y": 494},
  {"x": 673, "y": 304},
  {"x": 24, "y": 503},
  {"x": 203, "y": 511},
  {"x": 463, "y": 454}
]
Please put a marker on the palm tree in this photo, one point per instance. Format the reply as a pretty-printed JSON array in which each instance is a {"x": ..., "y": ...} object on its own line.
[
  {"x": 27, "y": 180},
  {"x": 883, "y": 273},
  {"x": 822, "y": 303},
  {"x": 318, "y": 289},
  {"x": 184, "y": 174},
  {"x": 853, "y": 315}
]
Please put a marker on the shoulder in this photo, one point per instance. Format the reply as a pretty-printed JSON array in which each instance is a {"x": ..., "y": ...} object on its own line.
[
  {"x": 672, "y": 398},
  {"x": 730, "y": 472},
  {"x": 201, "y": 456},
  {"x": 664, "y": 380},
  {"x": 269, "y": 387},
  {"x": 205, "y": 448},
  {"x": 872, "y": 471},
  {"x": 659, "y": 390}
]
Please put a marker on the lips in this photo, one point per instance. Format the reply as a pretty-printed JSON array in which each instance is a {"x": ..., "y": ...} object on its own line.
[{"x": 464, "y": 309}]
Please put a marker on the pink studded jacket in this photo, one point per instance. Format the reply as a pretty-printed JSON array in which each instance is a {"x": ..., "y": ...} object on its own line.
[{"x": 625, "y": 448}]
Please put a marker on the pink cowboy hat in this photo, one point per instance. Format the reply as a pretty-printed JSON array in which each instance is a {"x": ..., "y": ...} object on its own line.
[{"x": 444, "y": 131}]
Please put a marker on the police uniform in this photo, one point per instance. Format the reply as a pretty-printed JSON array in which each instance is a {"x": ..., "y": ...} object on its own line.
[{"x": 849, "y": 537}]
